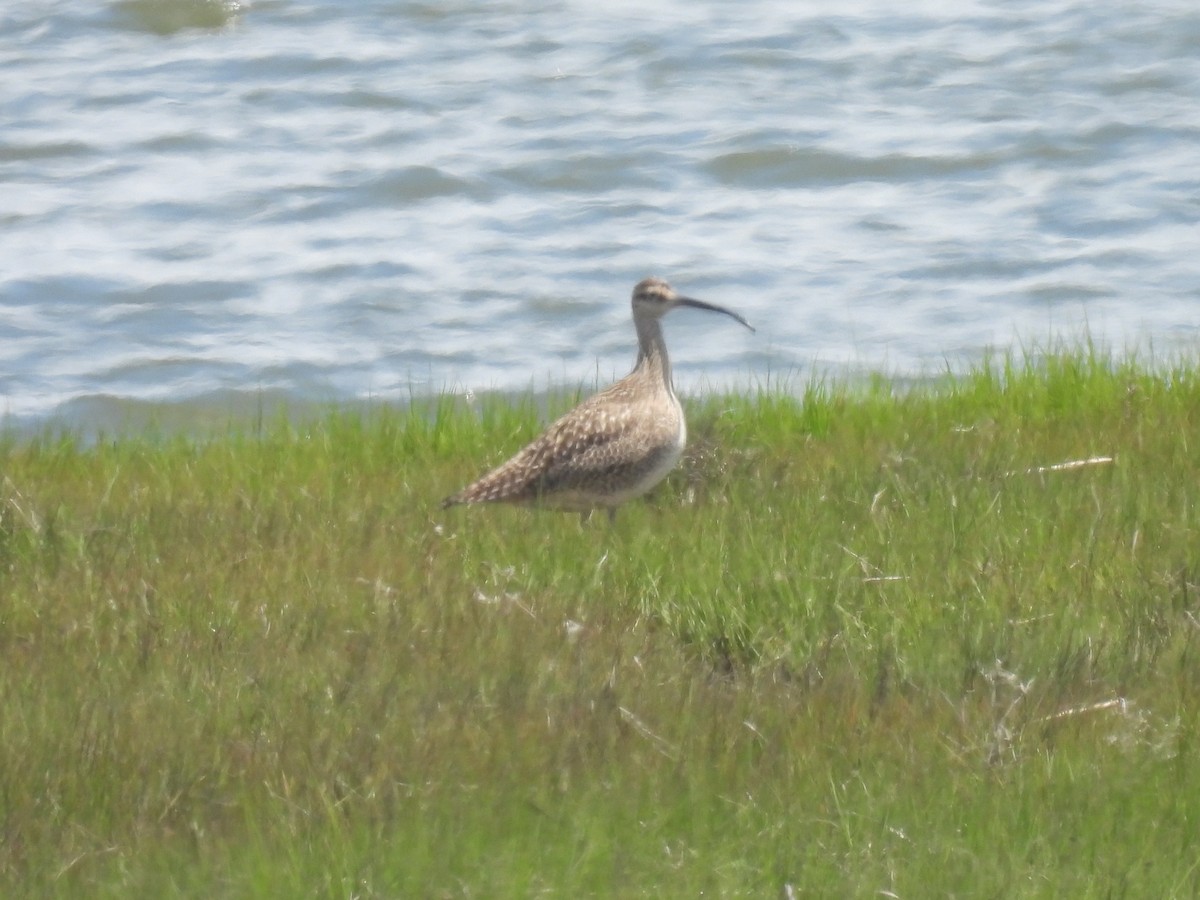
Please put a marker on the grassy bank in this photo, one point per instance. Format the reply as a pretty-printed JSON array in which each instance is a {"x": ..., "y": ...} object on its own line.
[{"x": 865, "y": 641}]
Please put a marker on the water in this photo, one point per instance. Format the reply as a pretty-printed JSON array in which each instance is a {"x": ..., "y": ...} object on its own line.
[{"x": 205, "y": 203}]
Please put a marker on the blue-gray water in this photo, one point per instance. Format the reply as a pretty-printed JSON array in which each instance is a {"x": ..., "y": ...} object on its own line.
[{"x": 206, "y": 201}]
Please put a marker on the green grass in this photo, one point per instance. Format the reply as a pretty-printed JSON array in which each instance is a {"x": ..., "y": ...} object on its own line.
[{"x": 857, "y": 645}]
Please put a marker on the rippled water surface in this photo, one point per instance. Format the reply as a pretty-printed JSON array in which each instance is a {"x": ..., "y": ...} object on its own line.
[{"x": 202, "y": 201}]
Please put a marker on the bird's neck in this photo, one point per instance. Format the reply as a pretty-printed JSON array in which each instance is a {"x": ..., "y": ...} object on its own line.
[{"x": 652, "y": 351}]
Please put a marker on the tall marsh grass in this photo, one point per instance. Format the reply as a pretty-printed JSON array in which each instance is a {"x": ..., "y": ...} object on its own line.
[{"x": 865, "y": 642}]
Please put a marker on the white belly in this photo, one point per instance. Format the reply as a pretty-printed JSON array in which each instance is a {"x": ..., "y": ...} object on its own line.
[{"x": 667, "y": 459}]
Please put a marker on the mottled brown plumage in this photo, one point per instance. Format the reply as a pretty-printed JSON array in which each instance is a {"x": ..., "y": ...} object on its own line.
[{"x": 614, "y": 446}]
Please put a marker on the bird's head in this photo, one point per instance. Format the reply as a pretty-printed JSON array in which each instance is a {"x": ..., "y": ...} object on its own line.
[{"x": 653, "y": 297}]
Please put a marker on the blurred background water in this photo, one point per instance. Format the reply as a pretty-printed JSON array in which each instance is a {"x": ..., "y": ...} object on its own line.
[{"x": 205, "y": 203}]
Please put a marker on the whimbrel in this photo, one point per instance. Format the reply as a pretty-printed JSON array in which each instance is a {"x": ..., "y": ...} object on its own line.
[{"x": 614, "y": 446}]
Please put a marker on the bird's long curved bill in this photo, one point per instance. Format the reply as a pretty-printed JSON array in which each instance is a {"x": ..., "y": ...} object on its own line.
[{"x": 712, "y": 307}]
